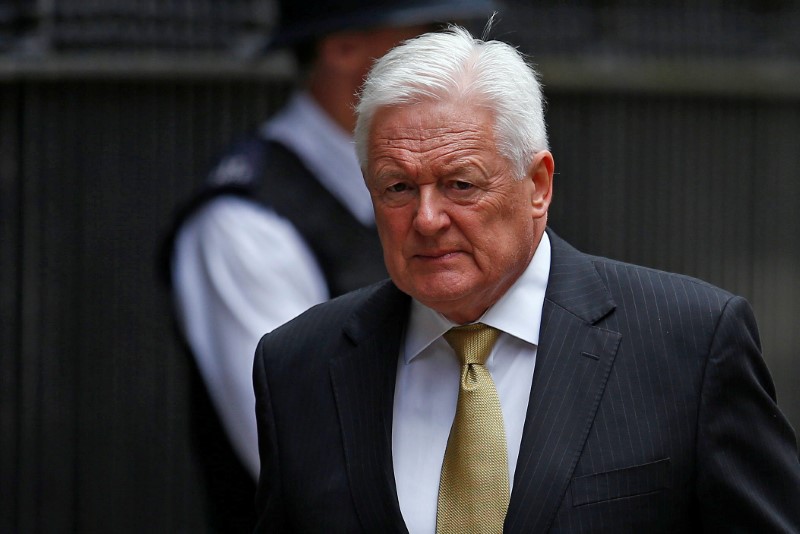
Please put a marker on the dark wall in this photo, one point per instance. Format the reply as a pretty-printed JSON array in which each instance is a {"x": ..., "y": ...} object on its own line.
[{"x": 94, "y": 391}]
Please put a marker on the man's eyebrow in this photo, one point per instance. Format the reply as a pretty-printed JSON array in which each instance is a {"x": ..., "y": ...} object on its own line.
[
  {"x": 460, "y": 168},
  {"x": 391, "y": 174}
]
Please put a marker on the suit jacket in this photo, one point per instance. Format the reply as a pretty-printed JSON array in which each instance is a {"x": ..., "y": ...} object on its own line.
[{"x": 651, "y": 410}]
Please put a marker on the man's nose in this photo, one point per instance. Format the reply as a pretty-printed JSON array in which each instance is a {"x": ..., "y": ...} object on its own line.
[{"x": 430, "y": 217}]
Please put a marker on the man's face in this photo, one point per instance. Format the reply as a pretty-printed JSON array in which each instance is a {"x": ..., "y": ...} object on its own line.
[{"x": 457, "y": 229}]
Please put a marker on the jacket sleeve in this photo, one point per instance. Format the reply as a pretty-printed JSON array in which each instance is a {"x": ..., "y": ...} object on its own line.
[
  {"x": 748, "y": 474},
  {"x": 270, "y": 513}
]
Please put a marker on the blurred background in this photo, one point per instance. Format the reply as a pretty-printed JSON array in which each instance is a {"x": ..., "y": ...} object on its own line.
[{"x": 676, "y": 132}]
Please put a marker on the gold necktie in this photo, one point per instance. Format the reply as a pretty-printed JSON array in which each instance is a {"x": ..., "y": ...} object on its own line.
[{"x": 473, "y": 491}]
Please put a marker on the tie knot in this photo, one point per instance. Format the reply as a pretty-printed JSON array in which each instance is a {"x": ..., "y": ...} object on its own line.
[{"x": 472, "y": 342}]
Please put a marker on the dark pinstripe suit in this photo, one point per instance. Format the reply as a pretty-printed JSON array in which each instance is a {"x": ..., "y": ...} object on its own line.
[{"x": 651, "y": 410}]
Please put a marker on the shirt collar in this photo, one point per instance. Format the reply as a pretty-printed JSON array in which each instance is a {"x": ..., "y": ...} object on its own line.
[
  {"x": 518, "y": 312},
  {"x": 325, "y": 149}
]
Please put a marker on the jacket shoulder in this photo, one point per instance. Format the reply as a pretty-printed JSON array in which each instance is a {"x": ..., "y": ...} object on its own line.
[
  {"x": 344, "y": 319},
  {"x": 627, "y": 280},
  {"x": 579, "y": 281}
]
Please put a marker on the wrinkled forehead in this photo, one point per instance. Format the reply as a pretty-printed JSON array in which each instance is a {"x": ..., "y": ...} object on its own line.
[
  {"x": 431, "y": 123},
  {"x": 430, "y": 140}
]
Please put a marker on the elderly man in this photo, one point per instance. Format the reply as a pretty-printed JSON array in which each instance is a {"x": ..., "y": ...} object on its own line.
[{"x": 502, "y": 380}]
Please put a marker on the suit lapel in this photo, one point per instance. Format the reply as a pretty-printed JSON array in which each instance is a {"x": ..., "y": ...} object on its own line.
[
  {"x": 573, "y": 362},
  {"x": 363, "y": 382}
]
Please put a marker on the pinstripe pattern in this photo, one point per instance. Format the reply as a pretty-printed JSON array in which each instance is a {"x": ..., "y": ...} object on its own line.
[{"x": 651, "y": 410}]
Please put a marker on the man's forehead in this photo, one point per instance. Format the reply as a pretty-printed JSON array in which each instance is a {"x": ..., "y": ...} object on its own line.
[
  {"x": 430, "y": 118},
  {"x": 429, "y": 127}
]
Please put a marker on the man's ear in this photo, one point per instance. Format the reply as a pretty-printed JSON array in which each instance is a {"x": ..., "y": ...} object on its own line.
[{"x": 541, "y": 174}]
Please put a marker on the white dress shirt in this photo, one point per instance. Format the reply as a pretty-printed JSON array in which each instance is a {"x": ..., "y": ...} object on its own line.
[
  {"x": 426, "y": 391},
  {"x": 241, "y": 270}
]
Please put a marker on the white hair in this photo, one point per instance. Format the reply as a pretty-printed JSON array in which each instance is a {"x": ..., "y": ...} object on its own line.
[{"x": 453, "y": 66}]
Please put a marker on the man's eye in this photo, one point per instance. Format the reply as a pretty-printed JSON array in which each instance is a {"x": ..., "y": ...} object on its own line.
[
  {"x": 397, "y": 188},
  {"x": 461, "y": 185}
]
